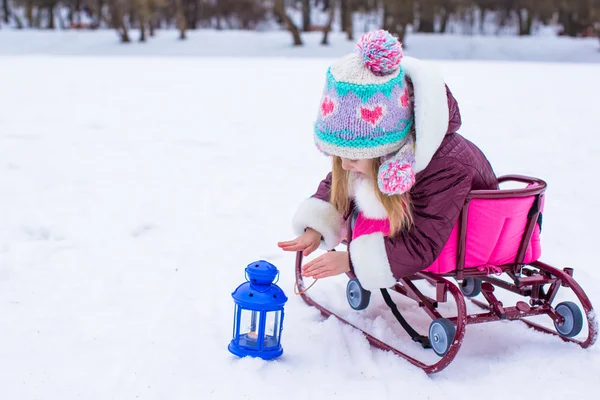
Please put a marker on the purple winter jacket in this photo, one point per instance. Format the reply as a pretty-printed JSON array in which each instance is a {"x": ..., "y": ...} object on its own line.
[{"x": 438, "y": 195}]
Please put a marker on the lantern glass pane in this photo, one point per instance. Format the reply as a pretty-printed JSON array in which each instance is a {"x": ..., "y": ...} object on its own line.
[
  {"x": 249, "y": 323},
  {"x": 235, "y": 319},
  {"x": 272, "y": 328}
]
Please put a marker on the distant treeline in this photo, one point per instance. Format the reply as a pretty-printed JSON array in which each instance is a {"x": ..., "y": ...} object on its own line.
[{"x": 574, "y": 17}]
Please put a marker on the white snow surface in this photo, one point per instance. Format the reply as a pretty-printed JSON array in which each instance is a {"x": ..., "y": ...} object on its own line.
[
  {"x": 135, "y": 190},
  {"x": 279, "y": 44}
]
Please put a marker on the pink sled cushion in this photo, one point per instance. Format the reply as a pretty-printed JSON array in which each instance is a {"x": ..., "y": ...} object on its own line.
[{"x": 495, "y": 228}]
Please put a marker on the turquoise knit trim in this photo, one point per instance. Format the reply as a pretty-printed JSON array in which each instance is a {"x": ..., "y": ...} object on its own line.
[
  {"x": 364, "y": 142},
  {"x": 366, "y": 91}
]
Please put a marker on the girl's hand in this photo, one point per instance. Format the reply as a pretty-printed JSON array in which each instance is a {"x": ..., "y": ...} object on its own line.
[
  {"x": 329, "y": 264},
  {"x": 307, "y": 243}
]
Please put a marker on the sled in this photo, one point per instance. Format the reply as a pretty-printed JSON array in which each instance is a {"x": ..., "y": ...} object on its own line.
[{"x": 497, "y": 235}]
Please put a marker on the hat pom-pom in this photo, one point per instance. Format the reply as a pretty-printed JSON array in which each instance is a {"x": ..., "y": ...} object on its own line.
[
  {"x": 381, "y": 51},
  {"x": 395, "y": 177}
]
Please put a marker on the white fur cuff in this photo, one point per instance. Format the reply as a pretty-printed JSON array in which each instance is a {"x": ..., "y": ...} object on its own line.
[
  {"x": 370, "y": 261},
  {"x": 323, "y": 217}
]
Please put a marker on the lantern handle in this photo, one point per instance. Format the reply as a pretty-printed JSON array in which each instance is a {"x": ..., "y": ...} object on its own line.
[
  {"x": 298, "y": 292},
  {"x": 274, "y": 283},
  {"x": 267, "y": 286}
]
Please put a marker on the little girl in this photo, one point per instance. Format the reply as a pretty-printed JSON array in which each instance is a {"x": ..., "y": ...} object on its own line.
[{"x": 400, "y": 171}]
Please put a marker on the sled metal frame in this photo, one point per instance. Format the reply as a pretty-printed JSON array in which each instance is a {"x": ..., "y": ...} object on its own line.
[{"x": 528, "y": 280}]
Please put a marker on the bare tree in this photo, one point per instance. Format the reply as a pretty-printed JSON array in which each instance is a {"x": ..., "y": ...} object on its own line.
[
  {"x": 143, "y": 10},
  {"x": 117, "y": 20},
  {"x": 279, "y": 9},
  {"x": 153, "y": 18},
  {"x": 447, "y": 8},
  {"x": 327, "y": 29},
  {"x": 579, "y": 17},
  {"x": 181, "y": 20},
  {"x": 397, "y": 16},
  {"x": 346, "y": 13},
  {"x": 5, "y": 11},
  {"x": 306, "y": 15},
  {"x": 426, "y": 15}
]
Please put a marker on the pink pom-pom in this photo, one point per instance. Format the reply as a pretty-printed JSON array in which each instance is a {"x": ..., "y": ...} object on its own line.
[
  {"x": 395, "y": 177},
  {"x": 381, "y": 51}
]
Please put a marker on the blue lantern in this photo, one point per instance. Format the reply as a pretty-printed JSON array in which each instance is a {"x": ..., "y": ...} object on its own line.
[{"x": 258, "y": 315}]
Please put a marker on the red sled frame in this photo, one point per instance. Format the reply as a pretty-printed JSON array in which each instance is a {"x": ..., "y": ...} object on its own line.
[{"x": 528, "y": 281}]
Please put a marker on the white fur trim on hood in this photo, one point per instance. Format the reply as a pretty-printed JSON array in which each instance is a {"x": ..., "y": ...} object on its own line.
[
  {"x": 431, "y": 109},
  {"x": 366, "y": 200},
  {"x": 323, "y": 217},
  {"x": 370, "y": 262}
]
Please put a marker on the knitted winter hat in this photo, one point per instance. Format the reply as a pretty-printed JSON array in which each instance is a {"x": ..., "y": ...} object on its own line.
[{"x": 366, "y": 111}]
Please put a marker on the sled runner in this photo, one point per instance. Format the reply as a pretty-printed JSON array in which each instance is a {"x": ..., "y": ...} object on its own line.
[{"x": 497, "y": 234}]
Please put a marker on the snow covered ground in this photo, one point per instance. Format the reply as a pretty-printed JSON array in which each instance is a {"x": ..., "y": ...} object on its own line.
[
  {"x": 135, "y": 190},
  {"x": 278, "y": 44}
]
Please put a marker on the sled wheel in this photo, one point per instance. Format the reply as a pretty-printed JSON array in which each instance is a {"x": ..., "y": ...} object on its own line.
[
  {"x": 573, "y": 319},
  {"x": 358, "y": 298},
  {"x": 470, "y": 287},
  {"x": 441, "y": 335}
]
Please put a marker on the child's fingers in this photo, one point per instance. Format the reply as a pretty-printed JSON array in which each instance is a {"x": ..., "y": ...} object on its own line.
[
  {"x": 310, "y": 249},
  {"x": 323, "y": 274},
  {"x": 318, "y": 270},
  {"x": 294, "y": 245},
  {"x": 287, "y": 243},
  {"x": 312, "y": 265}
]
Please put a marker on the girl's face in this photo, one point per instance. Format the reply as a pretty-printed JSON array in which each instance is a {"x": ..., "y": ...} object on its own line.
[{"x": 361, "y": 166}]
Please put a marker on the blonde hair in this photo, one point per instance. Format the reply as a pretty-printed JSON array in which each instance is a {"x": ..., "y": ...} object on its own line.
[{"x": 397, "y": 207}]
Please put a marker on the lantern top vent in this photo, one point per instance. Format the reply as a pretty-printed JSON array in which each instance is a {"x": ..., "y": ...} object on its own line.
[
  {"x": 259, "y": 292},
  {"x": 261, "y": 273}
]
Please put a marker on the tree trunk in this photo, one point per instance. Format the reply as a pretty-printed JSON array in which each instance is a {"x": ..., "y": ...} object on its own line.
[
  {"x": 426, "y": 16},
  {"x": 143, "y": 10},
  {"x": 444, "y": 22},
  {"x": 325, "y": 41},
  {"x": 346, "y": 18},
  {"x": 180, "y": 18},
  {"x": 37, "y": 19},
  {"x": 528, "y": 23},
  {"x": 568, "y": 23},
  {"x": 152, "y": 24},
  {"x": 117, "y": 21},
  {"x": 143, "y": 20},
  {"x": 29, "y": 12},
  {"x": 350, "y": 26},
  {"x": 305, "y": 15},
  {"x": 98, "y": 19},
  {"x": 6, "y": 11},
  {"x": 75, "y": 11},
  {"x": 280, "y": 10},
  {"x": 51, "y": 15},
  {"x": 18, "y": 21},
  {"x": 152, "y": 13},
  {"x": 396, "y": 16},
  {"x": 343, "y": 14},
  {"x": 521, "y": 22},
  {"x": 190, "y": 11}
]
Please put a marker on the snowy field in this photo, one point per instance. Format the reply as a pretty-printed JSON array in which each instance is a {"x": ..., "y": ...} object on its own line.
[
  {"x": 135, "y": 190},
  {"x": 278, "y": 44}
]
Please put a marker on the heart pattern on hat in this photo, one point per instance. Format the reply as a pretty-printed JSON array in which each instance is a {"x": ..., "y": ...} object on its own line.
[
  {"x": 404, "y": 98},
  {"x": 327, "y": 106},
  {"x": 372, "y": 115}
]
